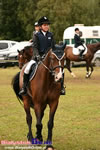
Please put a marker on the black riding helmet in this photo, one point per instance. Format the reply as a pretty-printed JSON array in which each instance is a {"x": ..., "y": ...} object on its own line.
[
  {"x": 36, "y": 24},
  {"x": 76, "y": 29},
  {"x": 43, "y": 20}
]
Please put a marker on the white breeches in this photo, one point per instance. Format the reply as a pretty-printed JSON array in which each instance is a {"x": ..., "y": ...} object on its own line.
[
  {"x": 28, "y": 67},
  {"x": 82, "y": 47}
]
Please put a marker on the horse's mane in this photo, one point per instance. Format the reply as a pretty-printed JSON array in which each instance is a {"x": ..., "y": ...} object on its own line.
[
  {"x": 94, "y": 47},
  {"x": 93, "y": 44}
]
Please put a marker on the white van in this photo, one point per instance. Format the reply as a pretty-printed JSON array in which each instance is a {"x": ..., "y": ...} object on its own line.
[
  {"x": 13, "y": 51},
  {"x": 5, "y": 45}
]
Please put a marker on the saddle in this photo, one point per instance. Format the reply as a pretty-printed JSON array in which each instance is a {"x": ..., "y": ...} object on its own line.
[
  {"x": 76, "y": 51},
  {"x": 33, "y": 71}
]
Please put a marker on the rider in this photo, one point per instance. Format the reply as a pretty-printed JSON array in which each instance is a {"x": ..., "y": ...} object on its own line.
[
  {"x": 37, "y": 28},
  {"x": 42, "y": 42},
  {"x": 79, "y": 42}
]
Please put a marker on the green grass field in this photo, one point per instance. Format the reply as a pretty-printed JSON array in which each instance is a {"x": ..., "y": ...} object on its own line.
[{"x": 77, "y": 120}]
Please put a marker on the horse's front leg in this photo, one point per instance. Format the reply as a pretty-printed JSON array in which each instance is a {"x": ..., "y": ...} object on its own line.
[
  {"x": 39, "y": 115},
  {"x": 53, "y": 107},
  {"x": 91, "y": 66},
  {"x": 28, "y": 117}
]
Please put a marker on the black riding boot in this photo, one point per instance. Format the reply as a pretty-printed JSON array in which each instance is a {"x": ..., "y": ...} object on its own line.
[
  {"x": 25, "y": 83},
  {"x": 62, "y": 86},
  {"x": 81, "y": 54}
]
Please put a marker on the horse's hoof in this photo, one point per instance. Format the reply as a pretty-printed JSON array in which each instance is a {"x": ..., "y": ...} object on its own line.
[
  {"x": 48, "y": 142},
  {"x": 29, "y": 137},
  {"x": 39, "y": 138},
  {"x": 74, "y": 76},
  {"x": 87, "y": 76}
]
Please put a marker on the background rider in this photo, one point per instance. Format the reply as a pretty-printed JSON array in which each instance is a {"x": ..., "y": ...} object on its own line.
[{"x": 79, "y": 42}]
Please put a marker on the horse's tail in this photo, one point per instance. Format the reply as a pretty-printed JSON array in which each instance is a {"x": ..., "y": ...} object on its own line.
[{"x": 15, "y": 85}]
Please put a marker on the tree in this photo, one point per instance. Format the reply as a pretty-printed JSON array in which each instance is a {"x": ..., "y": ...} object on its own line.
[
  {"x": 9, "y": 24},
  {"x": 17, "y": 17},
  {"x": 26, "y": 11},
  {"x": 57, "y": 11}
]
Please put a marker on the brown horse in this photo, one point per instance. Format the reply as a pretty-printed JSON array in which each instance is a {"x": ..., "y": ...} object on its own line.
[
  {"x": 92, "y": 48},
  {"x": 44, "y": 89},
  {"x": 24, "y": 56}
]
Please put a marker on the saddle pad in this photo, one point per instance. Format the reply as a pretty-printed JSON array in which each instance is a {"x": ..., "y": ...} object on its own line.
[
  {"x": 33, "y": 71},
  {"x": 76, "y": 51}
]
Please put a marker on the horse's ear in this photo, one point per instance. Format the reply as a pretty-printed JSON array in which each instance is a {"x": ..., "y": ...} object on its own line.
[
  {"x": 64, "y": 45},
  {"x": 18, "y": 51},
  {"x": 23, "y": 50},
  {"x": 53, "y": 45}
]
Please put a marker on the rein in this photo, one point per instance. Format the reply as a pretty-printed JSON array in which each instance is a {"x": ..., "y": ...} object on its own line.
[
  {"x": 46, "y": 67},
  {"x": 51, "y": 70}
]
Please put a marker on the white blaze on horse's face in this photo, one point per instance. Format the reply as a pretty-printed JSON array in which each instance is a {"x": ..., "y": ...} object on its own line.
[
  {"x": 59, "y": 75},
  {"x": 57, "y": 65}
]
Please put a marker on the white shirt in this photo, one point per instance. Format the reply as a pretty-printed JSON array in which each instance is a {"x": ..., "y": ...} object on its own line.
[{"x": 44, "y": 33}]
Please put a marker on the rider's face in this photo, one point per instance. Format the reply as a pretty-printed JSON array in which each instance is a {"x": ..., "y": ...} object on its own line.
[
  {"x": 77, "y": 31},
  {"x": 45, "y": 27},
  {"x": 37, "y": 28}
]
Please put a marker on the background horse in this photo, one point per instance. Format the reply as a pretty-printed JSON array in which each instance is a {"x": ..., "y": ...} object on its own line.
[
  {"x": 45, "y": 89},
  {"x": 24, "y": 56},
  {"x": 92, "y": 48}
]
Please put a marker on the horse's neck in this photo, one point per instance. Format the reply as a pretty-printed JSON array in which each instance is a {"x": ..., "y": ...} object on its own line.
[
  {"x": 95, "y": 47},
  {"x": 29, "y": 57},
  {"x": 45, "y": 69}
]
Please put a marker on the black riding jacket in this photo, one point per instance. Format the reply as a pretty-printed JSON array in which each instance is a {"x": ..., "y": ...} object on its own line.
[
  {"x": 41, "y": 43},
  {"x": 78, "y": 41}
]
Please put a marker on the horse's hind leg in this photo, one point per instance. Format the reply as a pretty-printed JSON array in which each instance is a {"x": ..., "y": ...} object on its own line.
[
  {"x": 28, "y": 118},
  {"x": 91, "y": 69}
]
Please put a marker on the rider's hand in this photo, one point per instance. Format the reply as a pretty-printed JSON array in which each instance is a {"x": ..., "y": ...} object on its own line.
[{"x": 38, "y": 58}]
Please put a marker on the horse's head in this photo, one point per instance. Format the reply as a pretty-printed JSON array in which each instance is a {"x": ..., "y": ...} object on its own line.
[
  {"x": 21, "y": 58},
  {"x": 56, "y": 64},
  {"x": 24, "y": 56}
]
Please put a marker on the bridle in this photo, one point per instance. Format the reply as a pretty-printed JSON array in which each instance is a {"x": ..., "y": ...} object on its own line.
[
  {"x": 25, "y": 59},
  {"x": 52, "y": 69}
]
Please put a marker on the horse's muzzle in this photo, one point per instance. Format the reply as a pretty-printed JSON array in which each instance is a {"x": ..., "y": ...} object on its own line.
[{"x": 58, "y": 77}]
